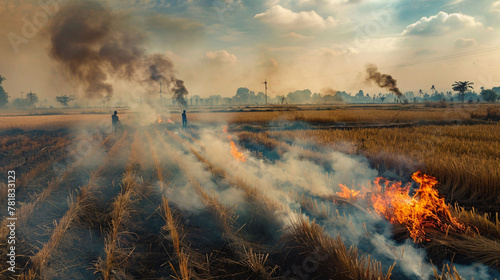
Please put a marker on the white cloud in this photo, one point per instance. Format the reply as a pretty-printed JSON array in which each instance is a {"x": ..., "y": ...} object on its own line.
[
  {"x": 495, "y": 7},
  {"x": 462, "y": 43},
  {"x": 324, "y": 2},
  {"x": 297, "y": 36},
  {"x": 285, "y": 18},
  {"x": 441, "y": 24},
  {"x": 220, "y": 57},
  {"x": 338, "y": 50}
]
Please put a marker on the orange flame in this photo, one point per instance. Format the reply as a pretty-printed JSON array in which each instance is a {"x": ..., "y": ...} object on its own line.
[
  {"x": 164, "y": 121},
  {"x": 418, "y": 212},
  {"x": 348, "y": 193},
  {"x": 236, "y": 153},
  {"x": 234, "y": 149}
]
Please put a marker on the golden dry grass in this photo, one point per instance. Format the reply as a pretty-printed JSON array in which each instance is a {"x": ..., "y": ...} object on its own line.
[
  {"x": 485, "y": 224},
  {"x": 345, "y": 114},
  {"x": 462, "y": 158},
  {"x": 448, "y": 272},
  {"x": 40, "y": 259},
  {"x": 116, "y": 256},
  {"x": 330, "y": 255},
  {"x": 317, "y": 114},
  {"x": 26, "y": 209},
  {"x": 57, "y": 121},
  {"x": 175, "y": 233},
  {"x": 49, "y": 121},
  {"x": 76, "y": 208},
  {"x": 304, "y": 238}
]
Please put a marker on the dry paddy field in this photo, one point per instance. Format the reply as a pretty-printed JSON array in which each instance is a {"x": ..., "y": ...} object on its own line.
[{"x": 250, "y": 193}]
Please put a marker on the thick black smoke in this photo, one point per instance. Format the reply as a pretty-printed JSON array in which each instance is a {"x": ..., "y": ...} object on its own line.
[
  {"x": 382, "y": 80},
  {"x": 97, "y": 47}
]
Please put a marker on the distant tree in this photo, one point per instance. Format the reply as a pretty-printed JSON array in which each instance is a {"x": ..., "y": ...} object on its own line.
[
  {"x": 65, "y": 100},
  {"x": 242, "y": 95},
  {"x": 462, "y": 87},
  {"x": 489, "y": 95},
  {"x": 4, "y": 96},
  {"x": 19, "y": 103},
  {"x": 299, "y": 96},
  {"x": 32, "y": 98}
]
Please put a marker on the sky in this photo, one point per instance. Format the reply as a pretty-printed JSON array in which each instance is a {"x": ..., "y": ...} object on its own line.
[{"x": 217, "y": 46}]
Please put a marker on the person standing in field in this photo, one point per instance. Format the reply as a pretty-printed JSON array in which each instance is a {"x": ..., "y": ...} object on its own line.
[
  {"x": 115, "y": 120},
  {"x": 184, "y": 120}
]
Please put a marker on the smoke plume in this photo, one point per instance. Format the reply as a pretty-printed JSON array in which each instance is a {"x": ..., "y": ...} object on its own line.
[
  {"x": 382, "y": 80},
  {"x": 97, "y": 47},
  {"x": 329, "y": 91}
]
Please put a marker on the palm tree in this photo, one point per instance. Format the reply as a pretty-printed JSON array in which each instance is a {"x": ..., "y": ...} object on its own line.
[{"x": 462, "y": 87}]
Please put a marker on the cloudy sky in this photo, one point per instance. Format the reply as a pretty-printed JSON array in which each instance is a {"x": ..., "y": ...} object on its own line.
[{"x": 220, "y": 45}]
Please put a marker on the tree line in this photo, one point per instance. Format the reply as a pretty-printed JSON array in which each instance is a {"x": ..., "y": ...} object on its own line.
[
  {"x": 245, "y": 96},
  {"x": 30, "y": 100}
]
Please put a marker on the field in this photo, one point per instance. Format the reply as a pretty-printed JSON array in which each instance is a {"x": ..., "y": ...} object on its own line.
[{"x": 306, "y": 192}]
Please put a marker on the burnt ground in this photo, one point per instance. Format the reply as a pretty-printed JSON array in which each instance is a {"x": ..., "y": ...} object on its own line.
[{"x": 144, "y": 237}]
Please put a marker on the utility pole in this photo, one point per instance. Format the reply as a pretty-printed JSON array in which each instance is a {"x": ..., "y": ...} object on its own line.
[
  {"x": 22, "y": 95},
  {"x": 265, "y": 83}
]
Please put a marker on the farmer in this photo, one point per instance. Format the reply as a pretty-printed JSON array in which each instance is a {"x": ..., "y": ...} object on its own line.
[
  {"x": 115, "y": 120},
  {"x": 184, "y": 120}
]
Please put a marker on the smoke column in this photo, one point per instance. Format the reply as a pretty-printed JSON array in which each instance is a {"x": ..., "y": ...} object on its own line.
[
  {"x": 96, "y": 47},
  {"x": 382, "y": 80}
]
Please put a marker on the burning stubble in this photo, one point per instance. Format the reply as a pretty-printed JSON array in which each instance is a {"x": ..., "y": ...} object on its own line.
[
  {"x": 382, "y": 80},
  {"x": 97, "y": 47}
]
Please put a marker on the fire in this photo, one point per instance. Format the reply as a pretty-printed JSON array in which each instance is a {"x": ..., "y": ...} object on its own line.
[
  {"x": 348, "y": 193},
  {"x": 164, "y": 121},
  {"x": 236, "y": 153},
  {"x": 417, "y": 213},
  {"x": 234, "y": 149}
]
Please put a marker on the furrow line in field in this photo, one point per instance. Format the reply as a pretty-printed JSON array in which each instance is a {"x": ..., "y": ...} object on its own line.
[{"x": 42, "y": 261}]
